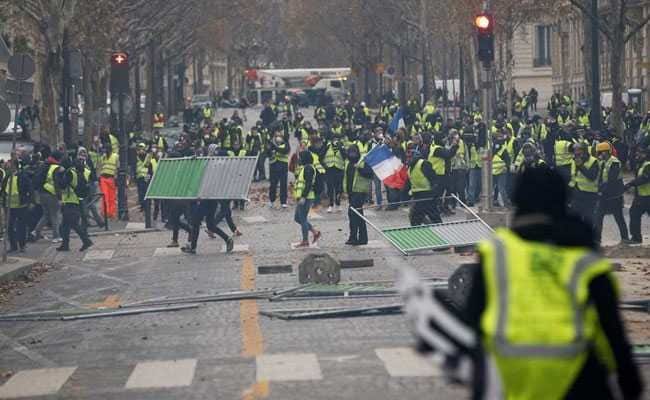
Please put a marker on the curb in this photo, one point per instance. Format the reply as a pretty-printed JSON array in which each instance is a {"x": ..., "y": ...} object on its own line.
[
  {"x": 21, "y": 267},
  {"x": 123, "y": 232}
]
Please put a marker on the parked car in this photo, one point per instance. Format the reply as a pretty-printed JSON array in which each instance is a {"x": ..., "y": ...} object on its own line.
[{"x": 200, "y": 100}]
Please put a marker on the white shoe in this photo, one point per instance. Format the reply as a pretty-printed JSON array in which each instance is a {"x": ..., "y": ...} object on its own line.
[
  {"x": 270, "y": 205},
  {"x": 57, "y": 240},
  {"x": 329, "y": 209},
  {"x": 285, "y": 206}
]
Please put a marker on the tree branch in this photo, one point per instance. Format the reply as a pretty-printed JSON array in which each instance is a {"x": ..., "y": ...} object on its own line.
[
  {"x": 595, "y": 19},
  {"x": 637, "y": 28}
]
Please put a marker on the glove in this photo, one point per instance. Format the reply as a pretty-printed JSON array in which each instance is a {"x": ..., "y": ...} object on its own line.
[{"x": 302, "y": 201}]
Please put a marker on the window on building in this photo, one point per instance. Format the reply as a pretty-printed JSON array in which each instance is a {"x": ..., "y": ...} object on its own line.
[{"x": 542, "y": 46}]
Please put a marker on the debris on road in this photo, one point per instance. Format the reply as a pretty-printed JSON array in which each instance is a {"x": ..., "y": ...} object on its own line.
[
  {"x": 274, "y": 269},
  {"x": 338, "y": 312},
  {"x": 319, "y": 268},
  {"x": 75, "y": 314},
  {"x": 364, "y": 263}
]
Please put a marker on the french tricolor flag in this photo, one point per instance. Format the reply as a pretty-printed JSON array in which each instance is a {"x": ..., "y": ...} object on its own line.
[{"x": 387, "y": 167}]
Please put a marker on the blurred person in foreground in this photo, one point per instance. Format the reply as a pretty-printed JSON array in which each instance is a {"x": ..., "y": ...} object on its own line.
[{"x": 541, "y": 320}]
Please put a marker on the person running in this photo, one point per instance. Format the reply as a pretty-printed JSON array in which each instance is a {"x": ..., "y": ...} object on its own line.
[
  {"x": 304, "y": 195},
  {"x": 205, "y": 209}
]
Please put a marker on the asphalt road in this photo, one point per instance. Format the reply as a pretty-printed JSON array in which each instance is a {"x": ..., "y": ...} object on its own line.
[{"x": 220, "y": 350}]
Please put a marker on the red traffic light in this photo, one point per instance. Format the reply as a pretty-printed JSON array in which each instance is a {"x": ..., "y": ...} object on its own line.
[
  {"x": 120, "y": 58},
  {"x": 484, "y": 23}
]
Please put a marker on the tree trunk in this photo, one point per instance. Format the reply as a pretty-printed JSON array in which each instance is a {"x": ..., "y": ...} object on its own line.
[
  {"x": 616, "y": 67},
  {"x": 49, "y": 124},
  {"x": 586, "y": 53}
]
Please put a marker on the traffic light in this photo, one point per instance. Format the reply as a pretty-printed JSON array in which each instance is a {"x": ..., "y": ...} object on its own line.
[
  {"x": 119, "y": 72},
  {"x": 484, "y": 24}
]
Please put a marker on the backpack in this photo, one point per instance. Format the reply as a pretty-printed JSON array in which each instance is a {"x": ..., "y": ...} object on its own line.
[
  {"x": 40, "y": 176},
  {"x": 82, "y": 190}
]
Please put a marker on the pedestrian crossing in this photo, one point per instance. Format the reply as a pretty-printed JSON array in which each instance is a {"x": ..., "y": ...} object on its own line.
[{"x": 396, "y": 362}]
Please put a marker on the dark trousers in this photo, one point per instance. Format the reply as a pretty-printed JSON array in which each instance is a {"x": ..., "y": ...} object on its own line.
[
  {"x": 175, "y": 212},
  {"x": 159, "y": 208},
  {"x": 34, "y": 215},
  {"x": 18, "y": 227},
  {"x": 71, "y": 221},
  {"x": 142, "y": 190},
  {"x": 392, "y": 196},
  {"x": 421, "y": 211},
  {"x": 583, "y": 205},
  {"x": 225, "y": 213},
  {"x": 319, "y": 187},
  {"x": 358, "y": 229},
  {"x": 618, "y": 217},
  {"x": 334, "y": 185},
  {"x": 279, "y": 171},
  {"x": 565, "y": 172},
  {"x": 207, "y": 212},
  {"x": 458, "y": 184},
  {"x": 640, "y": 206},
  {"x": 260, "y": 169}
]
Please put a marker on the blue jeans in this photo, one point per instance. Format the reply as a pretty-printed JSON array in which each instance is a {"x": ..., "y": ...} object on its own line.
[
  {"x": 377, "y": 185},
  {"x": 501, "y": 184},
  {"x": 301, "y": 217},
  {"x": 474, "y": 189}
]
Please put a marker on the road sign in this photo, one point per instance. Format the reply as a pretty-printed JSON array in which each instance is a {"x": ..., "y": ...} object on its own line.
[
  {"x": 19, "y": 92},
  {"x": 21, "y": 66},
  {"x": 5, "y": 116}
]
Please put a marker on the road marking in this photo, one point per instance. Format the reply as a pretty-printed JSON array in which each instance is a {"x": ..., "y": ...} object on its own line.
[
  {"x": 256, "y": 219},
  {"x": 405, "y": 362},
  {"x": 252, "y": 339},
  {"x": 135, "y": 226},
  {"x": 111, "y": 301},
  {"x": 288, "y": 367},
  {"x": 99, "y": 255},
  {"x": 36, "y": 382},
  {"x": 376, "y": 244},
  {"x": 62, "y": 299},
  {"x": 239, "y": 248},
  {"x": 294, "y": 246},
  {"x": 162, "y": 374},
  {"x": 167, "y": 251}
]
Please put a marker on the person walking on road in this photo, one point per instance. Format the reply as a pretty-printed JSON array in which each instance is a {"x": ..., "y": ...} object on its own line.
[
  {"x": 17, "y": 191},
  {"x": 610, "y": 192},
  {"x": 49, "y": 198},
  {"x": 278, "y": 154},
  {"x": 109, "y": 163},
  {"x": 69, "y": 179},
  {"x": 356, "y": 183},
  {"x": 641, "y": 202},
  {"x": 423, "y": 181},
  {"x": 304, "y": 195},
  {"x": 205, "y": 209}
]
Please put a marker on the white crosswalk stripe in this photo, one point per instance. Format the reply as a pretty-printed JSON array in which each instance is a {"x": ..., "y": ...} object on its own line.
[
  {"x": 405, "y": 362},
  {"x": 256, "y": 219},
  {"x": 162, "y": 374},
  {"x": 99, "y": 255},
  {"x": 288, "y": 367},
  {"x": 135, "y": 226},
  {"x": 167, "y": 251},
  {"x": 35, "y": 382},
  {"x": 399, "y": 362},
  {"x": 238, "y": 248}
]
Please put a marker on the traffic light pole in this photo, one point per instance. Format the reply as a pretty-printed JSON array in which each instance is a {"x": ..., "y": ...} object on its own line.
[
  {"x": 122, "y": 201},
  {"x": 487, "y": 178}
]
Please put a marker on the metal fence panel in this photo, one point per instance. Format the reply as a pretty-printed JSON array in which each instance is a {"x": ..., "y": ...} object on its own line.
[
  {"x": 177, "y": 178},
  {"x": 227, "y": 178}
]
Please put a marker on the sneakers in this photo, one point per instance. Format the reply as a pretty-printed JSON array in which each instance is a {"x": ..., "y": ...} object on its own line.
[
  {"x": 284, "y": 206},
  {"x": 317, "y": 236},
  {"x": 211, "y": 235},
  {"x": 631, "y": 242},
  {"x": 329, "y": 209},
  {"x": 173, "y": 244},
  {"x": 302, "y": 244},
  {"x": 237, "y": 232},
  {"x": 57, "y": 240},
  {"x": 63, "y": 248},
  {"x": 86, "y": 246},
  {"x": 230, "y": 245},
  {"x": 271, "y": 205},
  {"x": 188, "y": 250}
]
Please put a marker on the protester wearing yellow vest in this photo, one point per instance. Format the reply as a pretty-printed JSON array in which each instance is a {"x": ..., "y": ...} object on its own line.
[
  {"x": 109, "y": 164},
  {"x": 423, "y": 180},
  {"x": 278, "y": 153},
  {"x": 610, "y": 189},
  {"x": 143, "y": 172},
  {"x": 541, "y": 320},
  {"x": 584, "y": 183},
  {"x": 68, "y": 180},
  {"x": 49, "y": 198},
  {"x": 356, "y": 183},
  {"x": 474, "y": 167},
  {"x": 641, "y": 202},
  {"x": 563, "y": 155},
  {"x": 334, "y": 165},
  {"x": 304, "y": 195},
  {"x": 17, "y": 190},
  {"x": 500, "y": 168},
  {"x": 89, "y": 203}
]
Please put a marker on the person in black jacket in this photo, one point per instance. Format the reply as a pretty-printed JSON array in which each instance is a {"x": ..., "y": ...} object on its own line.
[
  {"x": 358, "y": 176},
  {"x": 610, "y": 191},
  {"x": 17, "y": 193}
]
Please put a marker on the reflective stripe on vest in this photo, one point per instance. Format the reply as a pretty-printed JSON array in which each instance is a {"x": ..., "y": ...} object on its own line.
[
  {"x": 608, "y": 165},
  {"x": 142, "y": 167},
  {"x": 69, "y": 196},
  {"x": 498, "y": 165},
  {"x": 109, "y": 165},
  {"x": 562, "y": 155},
  {"x": 437, "y": 163},
  {"x": 581, "y": 182},
  {"x": 360, "y": 184},
  {"x": 538, "y": 322},
  {"x": 14, "y": 193},
  {"x": 316, "y": 163},
  {"x": 419, "y": 182},
  {"x": 643, "y": 190},
  {"x": 474, "y": 157},
  {"x": 279, "y": 156},
  {"x": 300, "y": 185},
  {"x": 333, "y": 158},
  {"x": 49, "y": 180}
]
